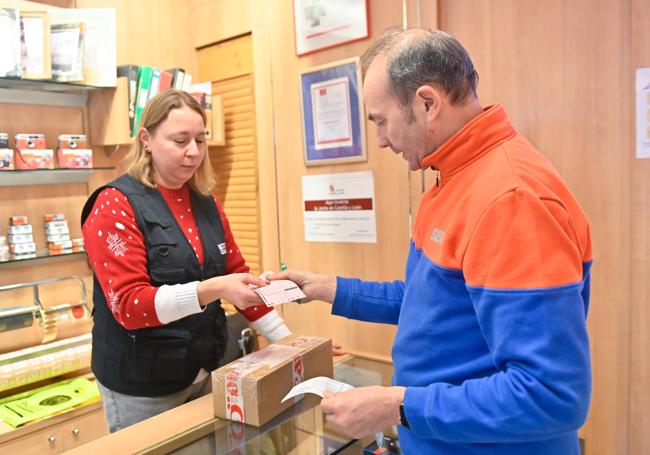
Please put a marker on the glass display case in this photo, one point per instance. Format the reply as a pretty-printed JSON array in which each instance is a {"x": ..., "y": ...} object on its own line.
[{"x": 302, "y": 429}]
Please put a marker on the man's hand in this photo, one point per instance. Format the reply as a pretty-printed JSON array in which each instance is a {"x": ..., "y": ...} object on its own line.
[
  {"x": 364, "y": 410},
  {"x": 234, "y": 288},
  {"x": 316, "y": 286}
]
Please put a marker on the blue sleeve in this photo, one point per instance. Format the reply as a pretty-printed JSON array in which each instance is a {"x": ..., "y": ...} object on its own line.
[
  {"x": 538, "y": 343},
  {"x": 369, "y": 301}
]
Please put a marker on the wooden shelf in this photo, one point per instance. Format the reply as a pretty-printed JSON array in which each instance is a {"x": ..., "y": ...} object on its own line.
[{"x": 109, "y": 118}]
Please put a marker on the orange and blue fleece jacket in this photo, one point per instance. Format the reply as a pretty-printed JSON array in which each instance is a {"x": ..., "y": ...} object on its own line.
[{"x": 492, "y": 342}]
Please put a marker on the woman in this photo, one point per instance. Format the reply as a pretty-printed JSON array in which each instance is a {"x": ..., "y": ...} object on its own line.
[{"x": 163, "y": 255}]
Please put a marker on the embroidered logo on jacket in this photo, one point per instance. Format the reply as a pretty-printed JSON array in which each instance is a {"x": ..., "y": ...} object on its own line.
[
  {"x": 436, "y": 235},
  {"x": 222, "y": 248}
]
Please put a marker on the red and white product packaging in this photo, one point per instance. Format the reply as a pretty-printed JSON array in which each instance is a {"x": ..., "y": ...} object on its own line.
[
  {"x": 6, "y": 159},
  {"x": 53, "y": 217},
  {"x": 250, "y": 389},
  {"x": 22, "y": 248},
  {"x": 72, "y": 152},
  {"x": 6, "y": 154},
  {"x": 16, "y": 220},
  {"x": 31, "y": 152}
]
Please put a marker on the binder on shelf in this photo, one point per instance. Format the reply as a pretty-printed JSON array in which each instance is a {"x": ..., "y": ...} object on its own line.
[
  {"x": 178, "y": 74},
  {"x": 202, "y": 92},
  {"x": 165, "y": 80},
  {"x": 144, "y": 82},
  {"x": 10, "y": 65},
  {"x": 187, "y": 82},
  {"x": 154, "y": 86},
  {"x": 130, "y": 72}
]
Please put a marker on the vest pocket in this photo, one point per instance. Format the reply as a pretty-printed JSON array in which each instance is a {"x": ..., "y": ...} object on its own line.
[
  {"x": 167, "y": 275},
  {"x": 159, "y": 356}
]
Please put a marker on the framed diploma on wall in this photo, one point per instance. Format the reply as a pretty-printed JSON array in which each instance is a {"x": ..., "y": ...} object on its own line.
[
  {"x": 321, "y": 24},
  {"x": 333, "y": 122}
]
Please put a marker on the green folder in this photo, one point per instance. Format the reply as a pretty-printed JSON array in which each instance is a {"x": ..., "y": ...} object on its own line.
[{"x": 45, "y": 401}]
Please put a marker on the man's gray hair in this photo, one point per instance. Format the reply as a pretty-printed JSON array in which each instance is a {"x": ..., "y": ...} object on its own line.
[{"x": 419, "y": 57}]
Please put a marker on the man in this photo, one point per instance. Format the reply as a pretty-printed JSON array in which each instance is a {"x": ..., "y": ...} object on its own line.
[{"x": 491, "y": 353}]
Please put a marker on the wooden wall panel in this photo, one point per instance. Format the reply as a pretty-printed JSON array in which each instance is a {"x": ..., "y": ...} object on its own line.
[
  {"x": 381, "y": 261},
  {"x": 639, "y": 307},
  {"x": 229, "y": 66},
  {"x": 564, "y": 72},
  {"x": 151, "y": 32},
  {"x": 218, "y": 20}
]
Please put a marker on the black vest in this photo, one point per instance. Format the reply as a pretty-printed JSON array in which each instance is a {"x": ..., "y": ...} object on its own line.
[{"x": 166, "y": 359}]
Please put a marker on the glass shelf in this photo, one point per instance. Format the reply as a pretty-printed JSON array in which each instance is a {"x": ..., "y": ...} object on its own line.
[
  {"x": 47, "y": 176},
  {"x": 49, "y": 93},
  {"x": 43, "y": 255}
]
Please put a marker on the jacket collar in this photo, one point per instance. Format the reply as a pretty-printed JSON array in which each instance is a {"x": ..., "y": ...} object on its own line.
[{"x": 483, "y": 133}]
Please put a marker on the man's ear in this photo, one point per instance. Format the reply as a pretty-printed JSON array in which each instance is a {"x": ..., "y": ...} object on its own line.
[{"x": 429, "y": 99}]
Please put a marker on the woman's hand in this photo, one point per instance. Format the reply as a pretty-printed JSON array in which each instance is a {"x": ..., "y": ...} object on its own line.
[
  {"x": 237, "y": 288},
  {"x": 337, "y": 349}
]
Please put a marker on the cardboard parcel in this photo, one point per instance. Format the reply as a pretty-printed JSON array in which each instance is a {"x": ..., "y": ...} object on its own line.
[{"x": 250, "y": 389}]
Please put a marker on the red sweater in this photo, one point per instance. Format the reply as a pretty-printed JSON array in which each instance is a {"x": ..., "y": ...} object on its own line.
[{"x": 116, "y": 249}]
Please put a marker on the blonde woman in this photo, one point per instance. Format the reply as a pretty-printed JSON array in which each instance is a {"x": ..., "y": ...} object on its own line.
[{"x": 163, "y": 256}]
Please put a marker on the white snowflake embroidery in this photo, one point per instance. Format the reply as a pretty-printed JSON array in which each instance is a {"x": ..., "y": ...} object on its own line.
[
  {"x": 114, "y": 301},
  {"x": 116, "y": 244}
]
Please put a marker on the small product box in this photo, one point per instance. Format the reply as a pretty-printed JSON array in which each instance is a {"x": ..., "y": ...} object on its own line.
[
  {"x": 31, "y": 152},
  {"x": 21, "y": 238},
  {"x": 59, "y": 227},
  {"x": 22, "y": 248},
  {"x": 53, "y": 217},
  {"x": 18, "y": 219},
  {"x": 60, "y": 245},
  {"x": 72, "y": 152},
  {"x": 20, "y": 229},
  {"x": 57, "y": 237},
  {"x": 250, "y": 389}
]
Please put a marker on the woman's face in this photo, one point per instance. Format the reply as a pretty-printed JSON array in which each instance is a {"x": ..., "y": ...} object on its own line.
[{"x": 177, "y": 147}]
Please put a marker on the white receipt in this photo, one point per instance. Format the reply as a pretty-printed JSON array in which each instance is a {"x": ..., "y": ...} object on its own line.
[
  {"x": 280, "y": 291},
  {"x": 318, "y": 386}
]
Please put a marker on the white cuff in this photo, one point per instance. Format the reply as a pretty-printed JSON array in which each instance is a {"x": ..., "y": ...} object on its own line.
[
  {"x": 177, "y": 301},
  {"x": 271, "y": 326}
]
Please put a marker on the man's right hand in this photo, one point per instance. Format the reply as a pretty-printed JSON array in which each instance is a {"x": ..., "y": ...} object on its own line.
[{"x": 316, "y": 286}]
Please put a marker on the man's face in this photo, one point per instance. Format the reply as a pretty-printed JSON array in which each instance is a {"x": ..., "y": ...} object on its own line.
[{"x": 403, "y": 131}]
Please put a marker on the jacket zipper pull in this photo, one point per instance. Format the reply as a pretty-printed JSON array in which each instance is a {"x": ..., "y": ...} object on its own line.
[{"x": 436, "y": 176}]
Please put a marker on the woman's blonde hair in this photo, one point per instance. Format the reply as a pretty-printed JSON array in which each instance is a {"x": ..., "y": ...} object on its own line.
[{"x": 139, "y": 164}]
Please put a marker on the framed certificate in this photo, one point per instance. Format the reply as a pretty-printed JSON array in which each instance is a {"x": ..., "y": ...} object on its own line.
[
  {"x": 333, "y": 121},
  {"x": 321, "y": 24}
]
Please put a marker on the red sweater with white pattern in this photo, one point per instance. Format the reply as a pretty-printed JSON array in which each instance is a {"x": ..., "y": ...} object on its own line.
[{"x": 116, "y": 249}]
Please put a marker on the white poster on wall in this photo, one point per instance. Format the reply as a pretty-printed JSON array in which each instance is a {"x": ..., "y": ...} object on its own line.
[
  {"x": 643, "y": 113},
  {"x": 339, "y": 207}
]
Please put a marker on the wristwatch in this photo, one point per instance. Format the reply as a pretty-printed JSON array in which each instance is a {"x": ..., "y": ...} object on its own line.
[{"x": 402, "y": 416}]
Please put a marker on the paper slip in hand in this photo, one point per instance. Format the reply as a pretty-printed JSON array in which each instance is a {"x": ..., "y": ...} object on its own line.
[
  {"x": 280, "y": 291},
  {"x": 317, "y": 386}
]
